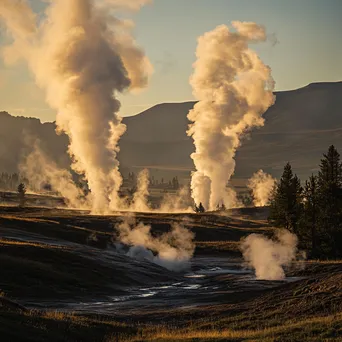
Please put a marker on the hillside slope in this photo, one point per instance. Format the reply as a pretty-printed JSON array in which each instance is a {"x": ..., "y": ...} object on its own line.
[{"x": 298, "y": 128}]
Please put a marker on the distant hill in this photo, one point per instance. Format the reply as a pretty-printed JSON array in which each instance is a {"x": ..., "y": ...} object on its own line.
[
  {"x": 298, "y": 128},
  {"x": 17, "y": 135}
]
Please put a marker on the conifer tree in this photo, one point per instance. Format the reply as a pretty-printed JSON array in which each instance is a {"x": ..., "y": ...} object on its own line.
[
  {"x": 286, "y": 204},
  {"x": 22, "y": 194},
  {"x": 330, "y": 203},
  {"x": 310, "y": 217}
]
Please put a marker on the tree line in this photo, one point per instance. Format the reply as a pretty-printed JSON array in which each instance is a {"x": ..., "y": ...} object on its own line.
[
  {"x": 167, "y": 184},
  {"x": 312, "y": 211},
  {"x": 10, "y": 181}
]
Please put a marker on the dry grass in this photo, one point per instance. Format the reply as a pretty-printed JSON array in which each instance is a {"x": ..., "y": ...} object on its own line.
[
  {"x": 27, "y": 219},
  {"x": 228, "y": 246},
  {"x": 326, "y": 262},
  {"x": 321, "y": 327},
  {"x": 56, "y": 326},
  {"x": 45, "y": 223},
  {"x": 8, "y": 242},
  {"x": 62, "y": 316},
  {"x": 73, "y": 318}
]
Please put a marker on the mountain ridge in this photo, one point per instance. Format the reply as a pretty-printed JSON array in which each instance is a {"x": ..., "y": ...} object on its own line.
[{"x": 298, "y": 128}]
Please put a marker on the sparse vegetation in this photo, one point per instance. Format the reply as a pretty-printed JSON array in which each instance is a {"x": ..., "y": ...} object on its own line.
[{"x": 313, "y": 329}]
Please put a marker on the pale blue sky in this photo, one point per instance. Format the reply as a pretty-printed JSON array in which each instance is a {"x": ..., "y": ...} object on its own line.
[{"x": 309, "y": 48}]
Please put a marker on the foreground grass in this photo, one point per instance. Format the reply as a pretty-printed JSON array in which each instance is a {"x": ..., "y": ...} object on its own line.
[
  {"x": 59, "y": 326},
  {"x": 9, "y": 242},
  {"x": 314, "y": 329},
  {"x": 210, "y": 247},
  {"x": 34, "y": 325}
]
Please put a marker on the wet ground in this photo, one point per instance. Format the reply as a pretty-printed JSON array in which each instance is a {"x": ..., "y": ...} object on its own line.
[
  {"x": 210, "y": 280},
  {"x": 129, "y": 286}
]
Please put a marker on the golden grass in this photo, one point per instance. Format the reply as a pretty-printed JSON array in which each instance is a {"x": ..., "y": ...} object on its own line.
[
  {"x": 39, "y": 220},
  {"x": 328, "y": 262},
  {"x": 167, "y": 334},
  {"x": 62, "y": 316},
  {"x": 219, "y": 245},
  {"x": 27, "y": 219},
  {"x": 89, "y": 230},
  {"x": 8, "y": 242},
  {"x": 72, "y": 317}
]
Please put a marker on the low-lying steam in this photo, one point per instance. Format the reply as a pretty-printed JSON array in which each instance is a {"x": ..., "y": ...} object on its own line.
[
  {"x": 261, "y": 184},
  {"x": 234, "y": 89},
  {"x": 172, "y": 250},
  {"x": 269, "y": 257}
]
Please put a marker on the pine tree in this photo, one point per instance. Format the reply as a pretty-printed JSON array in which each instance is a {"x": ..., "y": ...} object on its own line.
[
  {"x": 330, "y": 203},
  {"x": 200, "y": 208},
  {"x": 310, "y": 218},
  {"x": 22, "y": 194},
  {"x": 296, "y": 209},
  {"x": 286, "y": 204}
]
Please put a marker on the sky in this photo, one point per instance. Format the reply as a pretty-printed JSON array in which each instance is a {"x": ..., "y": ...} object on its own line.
[{"x": 304, "y": 46}]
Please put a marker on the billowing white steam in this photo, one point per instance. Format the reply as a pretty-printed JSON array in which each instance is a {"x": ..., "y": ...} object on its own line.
[
  {"x": 180, "y": 202},
  {"x": 172, "y": 250},
  {"x": 83, "y": 55},
  {"x": 234, "y": 89},
  {"x": 261, "y": 185},
  {"x": 268, "y": 257},
  {"x": 20, "y": 21},
  {"x": 140, "y": 197},
  {"x": 40, "y": 170}
]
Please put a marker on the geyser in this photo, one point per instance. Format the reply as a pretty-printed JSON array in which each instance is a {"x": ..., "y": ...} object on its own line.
[
  {"x": 83, "y": 55},
  {"x": 234, "y": 89},
  {"x": 261, "y": 184}
]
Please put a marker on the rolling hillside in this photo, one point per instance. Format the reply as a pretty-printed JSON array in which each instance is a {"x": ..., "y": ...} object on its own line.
[{"x": 298, "y": 128}]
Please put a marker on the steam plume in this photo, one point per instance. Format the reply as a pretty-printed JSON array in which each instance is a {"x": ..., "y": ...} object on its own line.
[
  {"x": 140, "y": 198},
  {"x": 234, "y": 89},
  {"x": 83, "y": 55},
  {"x": 261, "y": 185},
  {"x": 20, "y": 21},
  {"x": 40, "y": 170},
  {"x": 268, "y": 257},
  {"x": 177, "y": 203},
  {"x": 173, "y": 250}
]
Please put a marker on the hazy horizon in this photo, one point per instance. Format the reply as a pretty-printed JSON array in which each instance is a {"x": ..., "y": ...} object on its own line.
[
  {"x": 148, "y": 107},
  {"x": 299, "y": 54}
]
